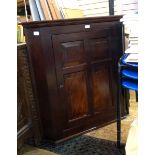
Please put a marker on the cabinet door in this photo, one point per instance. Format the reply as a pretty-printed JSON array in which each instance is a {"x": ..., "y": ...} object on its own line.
[
  {"x": 84, "y": 68},
  {"x": 72, "y": 77}
]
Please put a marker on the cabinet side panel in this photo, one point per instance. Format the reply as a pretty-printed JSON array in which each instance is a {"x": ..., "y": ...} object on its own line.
[
  {"x": 54, "y": 104},
  {"x": 116, "y": 49},
  {"x": 39, "y": 80}
]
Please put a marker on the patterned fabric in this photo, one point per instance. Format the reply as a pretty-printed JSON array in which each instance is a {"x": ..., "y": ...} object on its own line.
[{"x": 85, "y": 145}]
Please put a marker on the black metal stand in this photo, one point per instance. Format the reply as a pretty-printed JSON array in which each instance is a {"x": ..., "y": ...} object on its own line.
[{"x": 119, "y": 109}]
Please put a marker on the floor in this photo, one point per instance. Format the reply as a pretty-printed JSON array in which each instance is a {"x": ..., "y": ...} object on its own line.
[{"x": 98, "y": 142}]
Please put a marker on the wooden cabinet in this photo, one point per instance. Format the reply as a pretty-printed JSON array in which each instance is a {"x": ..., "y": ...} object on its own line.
[
  {"x": 74, "y": 68},
  {"x": 27, "y": 115},
  {"x": 24, "y": 124}
]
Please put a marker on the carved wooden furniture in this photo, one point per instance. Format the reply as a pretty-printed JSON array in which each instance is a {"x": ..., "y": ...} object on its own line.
[
  {"x": 74, "y": 69},
  {"x": 27, "y": 115}
]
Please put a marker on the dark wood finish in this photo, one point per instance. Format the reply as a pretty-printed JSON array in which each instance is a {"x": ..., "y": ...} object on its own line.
[
  {"x": 74, "y": 73},
  {"x": 74, "y": 21},
  {"x": 27, "y": 114}
]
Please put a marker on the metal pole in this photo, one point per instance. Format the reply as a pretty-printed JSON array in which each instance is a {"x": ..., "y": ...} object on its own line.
[
  {"x": 111, "y": 7},
  {"x": 119, "y": 108}
]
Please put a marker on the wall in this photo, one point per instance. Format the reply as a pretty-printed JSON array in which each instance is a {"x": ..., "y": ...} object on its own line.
[
  {"x": 125, "y": 7},
  {"x": 101, "y": 7},
  {"x": 94, "y": 7}
]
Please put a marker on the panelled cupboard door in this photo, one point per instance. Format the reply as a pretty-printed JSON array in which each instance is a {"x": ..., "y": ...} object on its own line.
[
  {"x": 72, "y": 78},
  {"x": 83, "y": 71}
]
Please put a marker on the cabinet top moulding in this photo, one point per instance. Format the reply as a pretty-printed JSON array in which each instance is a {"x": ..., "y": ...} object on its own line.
[{"x": 73, "y": 21}]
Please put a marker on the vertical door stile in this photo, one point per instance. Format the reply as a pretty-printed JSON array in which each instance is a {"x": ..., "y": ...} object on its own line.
[{"x": 89, "y": 77}]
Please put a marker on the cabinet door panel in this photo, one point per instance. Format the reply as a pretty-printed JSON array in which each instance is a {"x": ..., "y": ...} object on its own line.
[
  {"x": 73, "y": 53},
  {"x": 99, "y": 48},
  {"x": 72, "y": 78},
  {"x": 76, "y": 93},
  {"x": 100, "y": 63},
  {"x": 101, "y": 88}
]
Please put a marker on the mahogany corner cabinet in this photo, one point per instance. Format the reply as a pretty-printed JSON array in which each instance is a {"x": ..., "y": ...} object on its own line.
[{"x": 74, "y": 73}]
